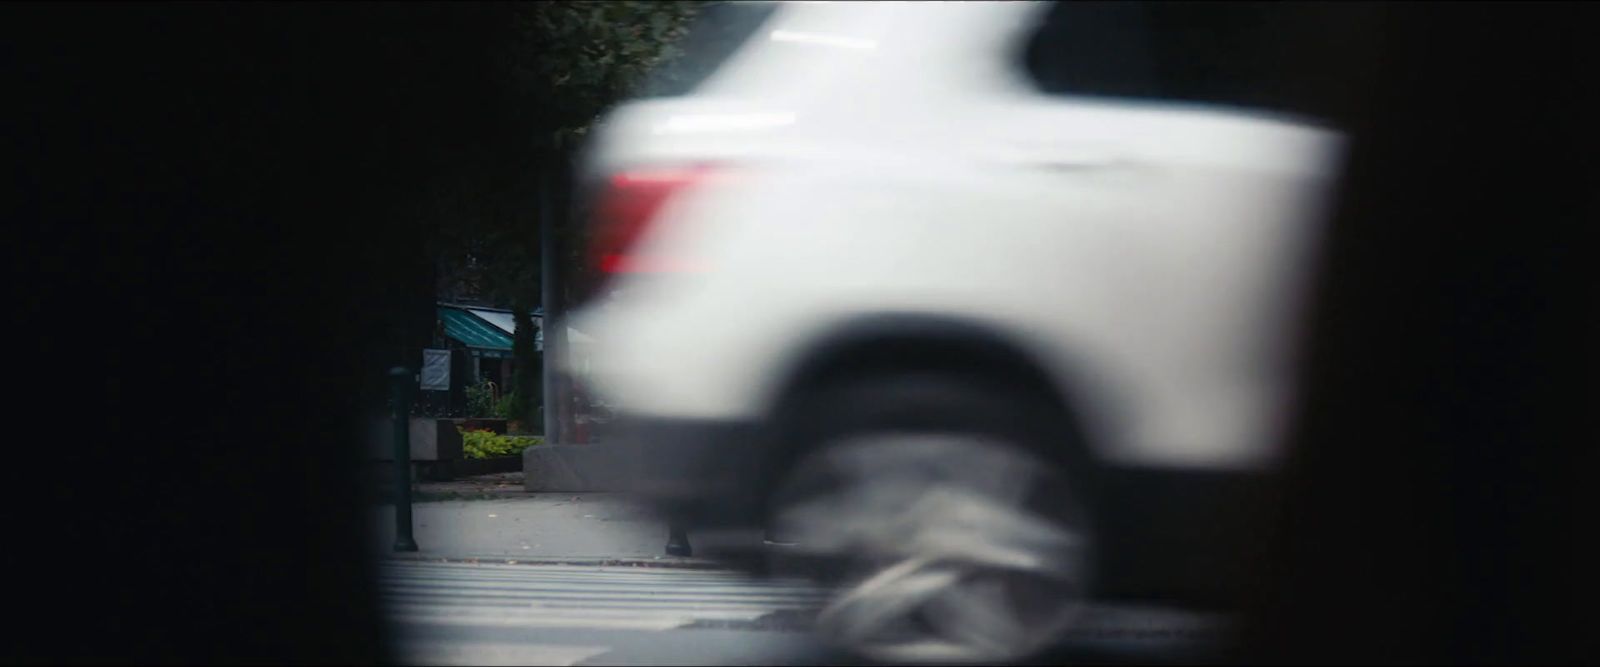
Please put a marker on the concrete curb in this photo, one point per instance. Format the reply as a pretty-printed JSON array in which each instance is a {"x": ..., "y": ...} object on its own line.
[
  {"x": 665, "y": 562},
  {"x": 454, "y": 496}
]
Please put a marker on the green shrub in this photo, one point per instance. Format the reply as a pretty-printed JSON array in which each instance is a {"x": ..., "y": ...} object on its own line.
[
  {"x": 483, "y": 444},
  {"x": 503, "y": 409},
  {"x": 480, "y": 401}
]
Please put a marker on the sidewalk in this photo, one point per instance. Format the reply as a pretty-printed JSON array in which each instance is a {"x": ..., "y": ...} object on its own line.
[{"x": 496, "y": 520}]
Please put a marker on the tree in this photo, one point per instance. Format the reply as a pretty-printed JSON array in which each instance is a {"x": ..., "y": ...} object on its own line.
[
  {"x": 526, "y": 385},
  {"x": 551, "y": 70},
  {"x": 554, "y": 68}
]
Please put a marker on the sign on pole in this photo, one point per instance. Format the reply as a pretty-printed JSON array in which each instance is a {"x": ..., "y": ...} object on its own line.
[{"x": 436, "y": 370}]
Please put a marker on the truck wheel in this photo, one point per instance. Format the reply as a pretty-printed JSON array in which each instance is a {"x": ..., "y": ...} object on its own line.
[{"x": 947, "y": 536}]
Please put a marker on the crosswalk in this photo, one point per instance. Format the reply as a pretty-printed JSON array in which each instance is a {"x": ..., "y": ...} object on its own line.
[{"x": 557, "y": 601}]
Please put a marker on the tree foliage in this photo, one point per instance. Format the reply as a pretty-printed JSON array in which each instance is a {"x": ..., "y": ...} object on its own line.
[
  {"x": 550, "y": 70},
  {"x": 569, "y": 61},
  {"x": 553, "y": 68}
]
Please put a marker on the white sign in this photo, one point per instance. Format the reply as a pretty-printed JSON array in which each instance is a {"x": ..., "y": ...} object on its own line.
[{"x": 436, "y": 370}]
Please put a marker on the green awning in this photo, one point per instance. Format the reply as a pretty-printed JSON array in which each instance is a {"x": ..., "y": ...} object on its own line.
[{"x": 473, "y": 332}]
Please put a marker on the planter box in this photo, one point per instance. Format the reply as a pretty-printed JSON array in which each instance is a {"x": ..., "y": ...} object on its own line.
[
  {"x": 497, "y": 426},
  {"x": 489, "y": 466},
  {"x": 431, "y": 440},
  {"x": 378, "y": 476}
]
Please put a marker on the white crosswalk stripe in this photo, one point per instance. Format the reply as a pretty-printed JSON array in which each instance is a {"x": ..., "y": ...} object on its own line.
[
  {"x": 567, "y": 597},
  {"x": 490, "y": 653}
]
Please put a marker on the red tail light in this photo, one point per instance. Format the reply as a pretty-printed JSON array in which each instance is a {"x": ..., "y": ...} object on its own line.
[{"x": 624, "y": 210}]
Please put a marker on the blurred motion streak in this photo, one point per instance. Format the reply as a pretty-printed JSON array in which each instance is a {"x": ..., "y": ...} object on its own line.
[{"x": 996, "y": 317}]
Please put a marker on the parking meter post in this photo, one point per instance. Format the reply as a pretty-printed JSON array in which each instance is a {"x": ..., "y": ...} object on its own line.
[{"x": 400, "y": 379}]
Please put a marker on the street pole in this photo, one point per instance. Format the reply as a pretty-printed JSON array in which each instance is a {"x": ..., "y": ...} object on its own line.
[
  {"x": 400, "y": 380},
  {"x": 548, "y": 287}
]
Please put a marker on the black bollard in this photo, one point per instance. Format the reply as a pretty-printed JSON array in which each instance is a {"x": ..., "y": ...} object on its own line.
[
  {"x": 400, "y": 379},
  {"x": 678, "y": 541}
]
